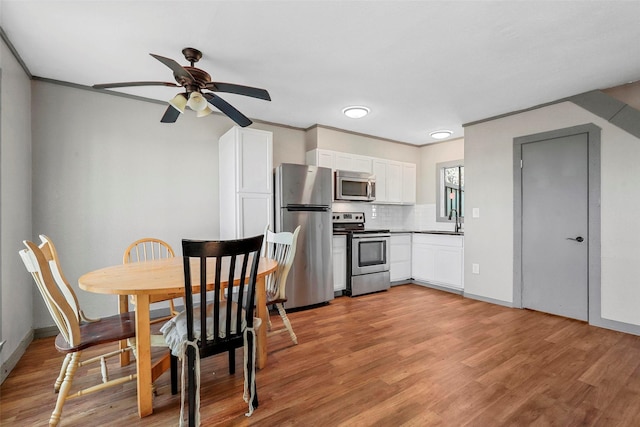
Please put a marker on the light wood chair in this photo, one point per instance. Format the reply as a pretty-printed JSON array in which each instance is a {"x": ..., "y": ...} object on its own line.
[
  {"x": 147, "y": 249},
  {"x": 282, "y": 248},
  {"x": 77, "y": 331}
]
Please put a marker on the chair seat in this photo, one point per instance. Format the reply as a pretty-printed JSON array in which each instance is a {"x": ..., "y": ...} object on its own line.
[
  {"x": 276, "y": 301},
  {"x": 105, "y": 330},
  {"x": 175, "y": 330}
]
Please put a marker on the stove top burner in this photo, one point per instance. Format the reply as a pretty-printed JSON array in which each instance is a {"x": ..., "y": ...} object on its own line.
[{"x": 352, "y": 222}]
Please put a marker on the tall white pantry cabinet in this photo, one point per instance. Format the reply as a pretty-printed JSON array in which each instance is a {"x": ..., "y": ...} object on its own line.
[{"x": 246, "y": 182}]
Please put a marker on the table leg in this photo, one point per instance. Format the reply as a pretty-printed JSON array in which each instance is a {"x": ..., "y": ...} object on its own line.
[
  {"x": 143, "y": 356},
  {"x": 263, "y": 313},
  {"x": 123, "y": 307}
]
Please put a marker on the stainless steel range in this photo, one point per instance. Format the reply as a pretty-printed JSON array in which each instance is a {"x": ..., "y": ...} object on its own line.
[{"x": 367, "y": 254}]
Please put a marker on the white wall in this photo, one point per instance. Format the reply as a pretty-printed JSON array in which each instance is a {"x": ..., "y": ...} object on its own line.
[
  {"x": 489, "y": 187},
  {"x": 15, "y": 204},
  {"x": 107, "y": 172},
  {"x": 333, "y": 139}
]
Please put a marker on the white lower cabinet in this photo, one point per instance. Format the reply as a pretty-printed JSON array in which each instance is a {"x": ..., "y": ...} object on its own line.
[
  {"x": 400, "y": 265},
  {"x": 438, "y": 259},
  {"x": 339, "y": 263}
]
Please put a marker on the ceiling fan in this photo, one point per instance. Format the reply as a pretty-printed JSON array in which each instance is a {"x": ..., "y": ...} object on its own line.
[{"x": 194, "y": 81}]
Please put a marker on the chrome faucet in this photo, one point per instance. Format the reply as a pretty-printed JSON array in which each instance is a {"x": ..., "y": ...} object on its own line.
[{"x": 457, "y": 219}]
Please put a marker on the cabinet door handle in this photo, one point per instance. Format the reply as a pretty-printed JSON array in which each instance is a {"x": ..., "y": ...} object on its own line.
[{"x": 578, "y": 239}]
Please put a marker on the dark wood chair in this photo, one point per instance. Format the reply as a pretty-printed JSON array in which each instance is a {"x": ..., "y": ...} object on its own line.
[
  {"x": 227, "y": 326},
  {"x": 77, "y": 332}
]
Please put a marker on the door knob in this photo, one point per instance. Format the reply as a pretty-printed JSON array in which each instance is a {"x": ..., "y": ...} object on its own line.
[{"x": 578, "y": 239}]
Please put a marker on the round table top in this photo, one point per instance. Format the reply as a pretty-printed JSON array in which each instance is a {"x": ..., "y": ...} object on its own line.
[{"x": 156, "y": 277}]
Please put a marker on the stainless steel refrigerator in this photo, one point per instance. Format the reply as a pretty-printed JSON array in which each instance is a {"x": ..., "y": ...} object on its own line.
[{"x": 303, "y": 197}]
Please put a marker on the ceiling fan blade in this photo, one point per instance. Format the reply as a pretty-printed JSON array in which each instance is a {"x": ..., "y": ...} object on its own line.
[
  {"x": 239, "y": 89},
  {"x": 127, "y": 84},
  {"x": 175, "y": 67},
  {"x": 228, "y": 109},
  {"x": 170, "y": 116}
]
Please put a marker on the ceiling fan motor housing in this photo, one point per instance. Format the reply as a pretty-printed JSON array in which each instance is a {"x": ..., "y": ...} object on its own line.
[{"x": 201, "y": 78}]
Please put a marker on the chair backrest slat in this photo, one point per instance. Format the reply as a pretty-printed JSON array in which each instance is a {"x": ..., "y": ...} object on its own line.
[
  {"x": 147, "y": 249},
  {"x": 241, "y": 257},
  {"x": 43, "y": 264},
  {"x": 282, "y": 248}
]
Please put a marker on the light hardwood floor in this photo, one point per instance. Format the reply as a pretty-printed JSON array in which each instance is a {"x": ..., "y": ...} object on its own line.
[{"x": 410, "y": 356}]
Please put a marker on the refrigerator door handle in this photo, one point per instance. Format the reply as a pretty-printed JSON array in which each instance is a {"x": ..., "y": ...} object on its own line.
[{"x": 307, "y": 208}]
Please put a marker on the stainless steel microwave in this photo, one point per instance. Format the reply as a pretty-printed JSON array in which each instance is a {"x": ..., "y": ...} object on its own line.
[{"x": 355, "y": 186}]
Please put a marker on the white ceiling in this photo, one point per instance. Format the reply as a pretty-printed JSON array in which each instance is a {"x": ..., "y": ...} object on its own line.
[{"x": 419, "y": 65}]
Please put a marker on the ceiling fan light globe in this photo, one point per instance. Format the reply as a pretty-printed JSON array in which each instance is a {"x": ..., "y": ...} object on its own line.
[
  {"x": 197, "y": 102},
  {"x": 179, "y": 102},
  {"x": 205, "y": 112}
]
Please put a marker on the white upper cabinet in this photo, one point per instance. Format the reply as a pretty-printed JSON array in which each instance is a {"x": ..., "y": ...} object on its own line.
[
  {"x": 326, "y": 159},
  {"x": 361, "y": 163},
  {"x": 408, "y": 183},
  {"x": 252, "y": 158},
  {"x": 352, "y": 162},
  {"x": 395, "y": 181},
  {"x": 380, "y": 171},
  {"x": 245, "y": 165}
]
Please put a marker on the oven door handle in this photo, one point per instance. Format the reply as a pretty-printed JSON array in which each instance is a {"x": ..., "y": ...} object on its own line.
[{"x": 355, "y": 236}]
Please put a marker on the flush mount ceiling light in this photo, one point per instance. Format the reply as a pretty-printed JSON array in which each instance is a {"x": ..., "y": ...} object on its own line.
[
  {"x": 356, "y": 111},
  {"x": 441, "y": 134}
]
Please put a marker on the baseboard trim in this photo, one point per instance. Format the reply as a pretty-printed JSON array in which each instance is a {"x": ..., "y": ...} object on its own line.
[
  {"x": 489, "y": 300},
  {"x": 14, "y": 358},
  {"x": 615, "y": 325},
  {"x": 47, "y": 331},
  {"x": 402, "y": 282},
  {"x": 438, "y": 287}
]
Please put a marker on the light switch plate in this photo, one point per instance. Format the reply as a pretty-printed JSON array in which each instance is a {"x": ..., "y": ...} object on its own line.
[
  {"x": 475, "y": 213},
  {"x": 475, "y": 268}
]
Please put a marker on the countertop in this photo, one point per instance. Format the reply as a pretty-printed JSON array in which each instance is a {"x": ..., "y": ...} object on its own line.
[
  {"x": 404, "y": 230},
  {"x": 446, "y": 232}
]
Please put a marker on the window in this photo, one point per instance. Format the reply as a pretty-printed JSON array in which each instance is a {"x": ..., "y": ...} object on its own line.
[{"x": 450, "y": 190}]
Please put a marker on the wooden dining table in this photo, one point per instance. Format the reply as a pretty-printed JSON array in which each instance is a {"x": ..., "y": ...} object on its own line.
[{"x": 150, "y": 280}]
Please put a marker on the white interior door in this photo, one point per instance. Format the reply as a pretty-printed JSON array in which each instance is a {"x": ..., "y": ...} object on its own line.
[{"x": 555, "y": 226}]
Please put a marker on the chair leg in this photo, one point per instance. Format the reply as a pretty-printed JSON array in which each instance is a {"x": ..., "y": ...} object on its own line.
[
  {"x": 63, "y": 371},
  {"x": 286, "y": 322},
  {"x": 232, "y": 361},
  {"x": 191, "y": 391},
  {"x": 250, "y": 371},
  {"x": 173, "y": 360},
  {"x": 72, "y": 366}
]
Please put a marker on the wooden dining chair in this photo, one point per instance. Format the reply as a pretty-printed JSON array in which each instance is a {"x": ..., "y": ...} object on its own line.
[
  {"x": 227, "y": 326},
  {"x": 282, "y": 248},
  {"x": 147, "y": 249},
  {"x": 77, "y": 332}
]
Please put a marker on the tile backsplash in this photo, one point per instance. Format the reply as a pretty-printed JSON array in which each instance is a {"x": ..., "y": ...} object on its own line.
[{"x": 396, "y": 217}]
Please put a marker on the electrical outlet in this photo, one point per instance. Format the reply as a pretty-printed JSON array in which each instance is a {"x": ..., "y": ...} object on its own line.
[{"x": 475, "y": 268}]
